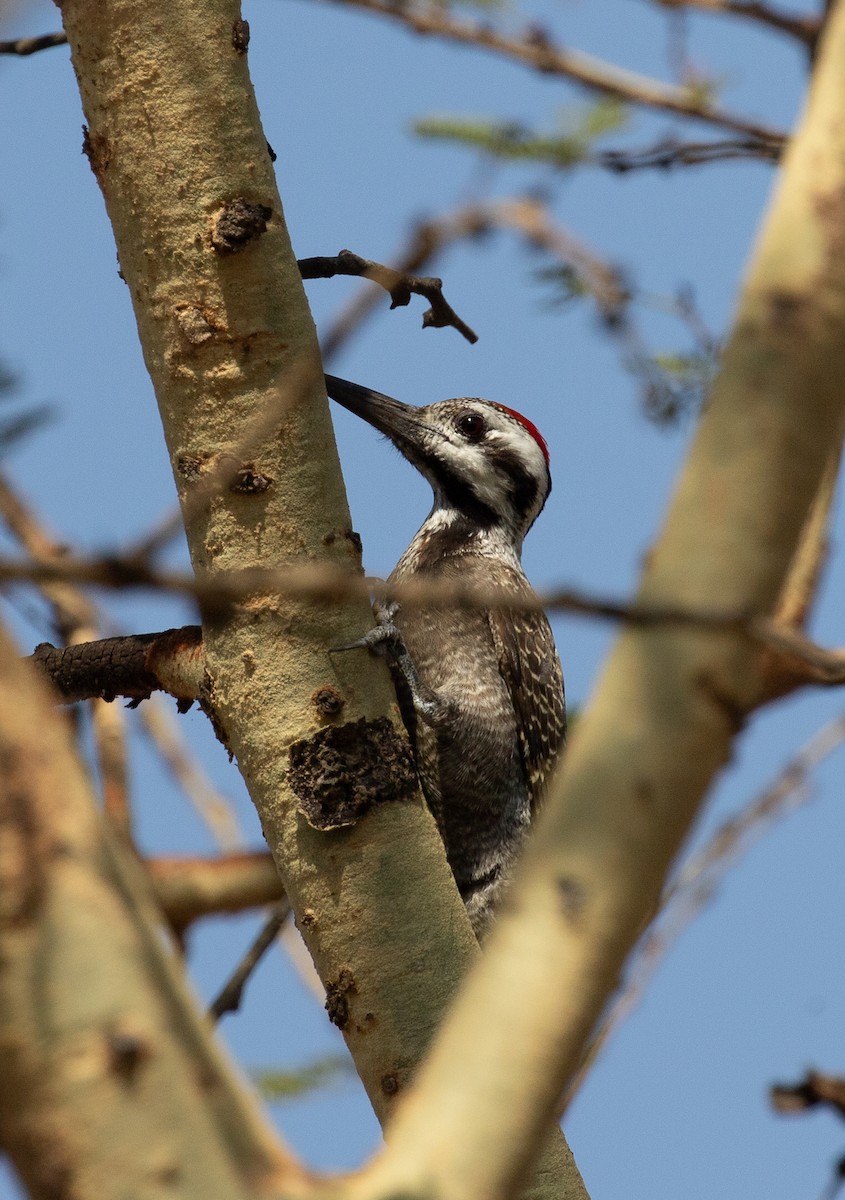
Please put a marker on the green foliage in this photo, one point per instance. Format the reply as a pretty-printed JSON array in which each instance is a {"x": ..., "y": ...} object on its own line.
[
  {"x": 567, "y": 284},
  {"x": 572, "y": 143},
  {"x": 293, "y": 1084},
  {"x": 703, "y": 92},
  {"x": 676, "y": 385}
]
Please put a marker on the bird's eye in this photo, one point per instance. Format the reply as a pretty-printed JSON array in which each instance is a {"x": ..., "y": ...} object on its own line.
[{"x": 471, "y": 425}]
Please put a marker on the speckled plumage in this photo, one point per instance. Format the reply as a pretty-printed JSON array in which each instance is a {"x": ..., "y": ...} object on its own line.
[
  {"x": 483, "y": 764},
  {"x": 488, "y": 718}
]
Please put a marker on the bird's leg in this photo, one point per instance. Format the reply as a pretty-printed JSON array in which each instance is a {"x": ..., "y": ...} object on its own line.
[{"x": 386, "y": 639}]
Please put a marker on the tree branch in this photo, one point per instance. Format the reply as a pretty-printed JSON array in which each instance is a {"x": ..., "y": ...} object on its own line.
[
  {"x": 88, "y": 981},
  {"x": 802, "y": 26},
  {"x": 194, "y": 179},
  {"x": 814, "y": 1089},
  {"x": 230, "y": 995},
  {"x": 399, "y": 285},
  {"x": 31, "y": 45},
  {"x": 538, "y": 51},
  {"x": 190, "y": 888},
  {"x": 700, "y": 876},
  {"x": 132, "y": 666},
  {"x": 669, "y": 702},
  {"x": 671, "y": 152}
]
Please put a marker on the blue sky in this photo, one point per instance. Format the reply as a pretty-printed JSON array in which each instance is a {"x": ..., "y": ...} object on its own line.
[{"x": 677, "y": 1104}]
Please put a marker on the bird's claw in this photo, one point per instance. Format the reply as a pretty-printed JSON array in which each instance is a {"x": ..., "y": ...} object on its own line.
[{"x": 383, "y": 638}]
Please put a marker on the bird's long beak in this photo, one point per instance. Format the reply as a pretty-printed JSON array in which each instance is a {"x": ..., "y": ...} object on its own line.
[{"x": 400, "y": 422}]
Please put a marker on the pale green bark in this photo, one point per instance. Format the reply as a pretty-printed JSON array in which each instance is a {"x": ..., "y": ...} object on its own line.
[
  {"x": 174, "y": 138},
  {"x": 101, "y": 1044},
  {"x": 669, "y": 701}
]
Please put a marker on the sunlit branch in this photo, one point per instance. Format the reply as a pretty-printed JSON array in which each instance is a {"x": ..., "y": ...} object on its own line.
[
  {"x": 537, "y": 50},
  {"x": 699, "y": 877},
  {"x": 190, "y": 888}
]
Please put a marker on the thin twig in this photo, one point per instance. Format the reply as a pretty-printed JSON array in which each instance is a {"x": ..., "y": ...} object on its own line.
[
  {"x": 671, "y": 152},
  {"x": 329, "y": 583},
  {"x": 31, "y": 45},
  {"x": 812, "y": 1090},
  {"x": 537, "y": 50},
  {"x": 172, "y": 660},
  {"x": 76, "y": 620},
  {"x": 803, "y": 26},
  {"x": 211, "y": 805},
  {"x": 580, "y": 269},
  {"x": 525, "y": 215},
  {"x": 230, "y": 996},
  {"x": 399, "y": 285}
]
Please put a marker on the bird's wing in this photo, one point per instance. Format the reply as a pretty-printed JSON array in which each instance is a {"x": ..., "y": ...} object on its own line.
[{"x": 530, "y": 667}]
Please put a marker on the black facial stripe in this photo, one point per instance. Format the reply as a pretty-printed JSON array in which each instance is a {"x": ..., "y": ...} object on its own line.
[
  {"x": 457, "y": 491},
  {"x": 523, "y": 486},
  {"x": 462, "y": 497}
]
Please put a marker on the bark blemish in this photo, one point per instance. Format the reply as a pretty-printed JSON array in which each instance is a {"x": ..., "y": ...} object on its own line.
[
  {"x": 572, "y": 896},
  {"x": 337, "y": 997},
  {"x": 238, "y": 223},
  {"x": 729, "y": 707},
  {"x": 644, "y": 792},
  {"x": 327, "y": 701},
  {"x": 96, "y": 149},
  {"x": 195, "y": 326},
  {"x": 343, "y": 770},
  {"x": 250, "y": 482},
  {"x": 240, "y": 36},
  {"x": 128, "y": 1049},
  {"x": 390, "y": 1083}
]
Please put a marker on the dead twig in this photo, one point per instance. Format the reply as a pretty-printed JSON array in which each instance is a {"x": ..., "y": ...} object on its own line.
[
  {"x": 670, "y": 152},
  {"x": 802, "y": 26},
  {"x": 132, "y": 666},
  {"x": 230, "y": 996},
  {"x": 31, "y": 45},
  {"x": 536, "y": 49},
  {"x": 400, "y": 285}
]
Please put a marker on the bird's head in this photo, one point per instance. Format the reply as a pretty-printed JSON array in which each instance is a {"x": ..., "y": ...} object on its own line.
[{"x": 484, "y": 461}]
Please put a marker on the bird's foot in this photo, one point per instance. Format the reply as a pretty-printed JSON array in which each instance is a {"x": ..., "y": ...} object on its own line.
[{"x": 385, "y": 638}]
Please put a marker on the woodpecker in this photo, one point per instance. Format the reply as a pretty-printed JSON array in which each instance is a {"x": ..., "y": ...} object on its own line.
[{"x": 480, "y": 691}]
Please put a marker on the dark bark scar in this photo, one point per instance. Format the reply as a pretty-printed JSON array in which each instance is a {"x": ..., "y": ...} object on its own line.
[
  {"x": 341, "y": 772},
  {"x": 337, "y": 997}
]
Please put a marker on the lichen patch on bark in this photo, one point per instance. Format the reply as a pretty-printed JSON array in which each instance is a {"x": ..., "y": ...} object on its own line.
[
  {"x": 337, "y": 997},
  {"x": 342, "y": 771}
]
